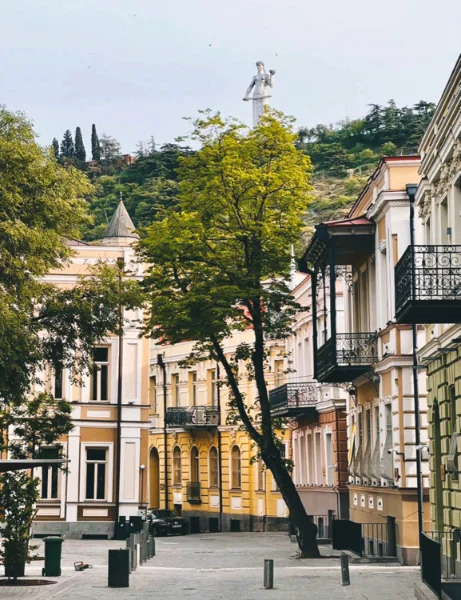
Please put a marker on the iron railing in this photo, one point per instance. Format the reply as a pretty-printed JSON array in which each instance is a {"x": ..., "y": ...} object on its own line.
[
  {"x": 192, "y": 416},
  {"x": 449, "y": 543},
  {"x": 348, "y": 349},
  {"x": 366, "y": 539},
  {"x": 431, "y": 568},
  {"x": 435, "y": 274},
  {"x": 193, "y": 492},
  {"x": 293, "y": 396}
]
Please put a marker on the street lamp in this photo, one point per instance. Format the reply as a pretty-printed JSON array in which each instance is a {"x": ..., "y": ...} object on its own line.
[
  {"x": 141, "y": 469},
  {"x": 411, "y": 191}
]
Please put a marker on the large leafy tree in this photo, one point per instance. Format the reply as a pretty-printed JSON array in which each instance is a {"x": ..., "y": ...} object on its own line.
[
  {"x": 220, "y": 261},
  {"x": 41, "y": 207}
]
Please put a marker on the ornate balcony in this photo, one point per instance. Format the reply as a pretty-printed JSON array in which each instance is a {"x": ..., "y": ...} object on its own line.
[
  {"x": 293, "y": 399},
  {"x": 428, "y": 285},
  {"x": 346, "y": 357},
  {"x": 193, "y": 492},
  {"x": 192, "y": 416}
]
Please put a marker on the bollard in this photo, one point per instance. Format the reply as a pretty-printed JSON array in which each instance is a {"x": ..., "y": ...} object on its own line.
[
  {"x": 145, "y": 528},
  {"x": 130, "y": 548},
  {"x": 152, "y": 541},
  {"x": 345, "y": 579},
  {"x": 149, "y": 548},
  {"x": 268, "y": 574},
  {"x": 135, "y": 557}
]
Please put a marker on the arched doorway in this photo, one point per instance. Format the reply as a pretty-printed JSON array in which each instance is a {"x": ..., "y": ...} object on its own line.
[{"x": 154, "y": 479}]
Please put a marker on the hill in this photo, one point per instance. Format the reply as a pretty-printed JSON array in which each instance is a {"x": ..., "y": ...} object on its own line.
[{"x": 343, "y": 156}]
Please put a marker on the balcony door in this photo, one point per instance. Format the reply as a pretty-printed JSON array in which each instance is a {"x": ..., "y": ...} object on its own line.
[{"x": 194, "y": 465}]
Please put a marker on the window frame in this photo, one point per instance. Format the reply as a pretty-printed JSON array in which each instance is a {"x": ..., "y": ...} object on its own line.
[
  {"x": 233, "y": 471},
  {"x": 109, "y": 471},
  {"x": 195, "y": 464},
  {"x": 98, "y": 365},
  {"x": 213, "y": 483},
  {"x": 177, "y": 458},
  {"x": 50, "y": 470},
  {"x": 97, "y": 463}
]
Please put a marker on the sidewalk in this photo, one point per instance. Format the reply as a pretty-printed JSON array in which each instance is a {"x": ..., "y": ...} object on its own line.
[{"x": 219, "y": 566}]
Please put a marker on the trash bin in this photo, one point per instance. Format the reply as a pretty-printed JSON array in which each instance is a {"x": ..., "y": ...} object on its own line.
[
  {"x": 119, "y": 568},
  {"x": 53, "y": 549},
  {"x": 135, "y": 524}
]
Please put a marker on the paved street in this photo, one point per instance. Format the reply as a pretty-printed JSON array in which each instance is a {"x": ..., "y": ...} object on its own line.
[{"x": 219, "y": 566}]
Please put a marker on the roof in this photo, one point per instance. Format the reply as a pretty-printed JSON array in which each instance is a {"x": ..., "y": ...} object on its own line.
[
  {"x": 384, "y": 160},
  {"x": 29, "y": 463},
  {"x": 347, "y": 222},
  {"x": 121, "y": 225}
]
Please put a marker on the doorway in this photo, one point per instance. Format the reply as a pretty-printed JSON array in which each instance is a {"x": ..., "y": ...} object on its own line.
[{"x": 154, "y": 479}]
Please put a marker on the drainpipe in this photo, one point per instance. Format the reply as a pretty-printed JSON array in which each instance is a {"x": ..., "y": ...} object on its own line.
[
  {"x": 338, "y": 458},
  {"x": 120, "y": 265},
  {"x": 411, "y": 191},
  {"x": 161, "y": 364},
  {"x": 218, "y": 398}
]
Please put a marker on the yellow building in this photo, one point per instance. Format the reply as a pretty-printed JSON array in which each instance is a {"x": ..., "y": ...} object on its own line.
[
  {"x": 199, "y": 465},
  {"x": 86, "y": 500}
]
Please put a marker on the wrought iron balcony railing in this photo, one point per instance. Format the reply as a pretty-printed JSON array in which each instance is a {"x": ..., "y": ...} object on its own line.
[
  {"x": 346, "y": 356},
  {"x": 428, "y": 285},
  {"x": 193, "y": 492},
  {"x": 292, "y": 399},
  {"x": 192, "y": 416}
]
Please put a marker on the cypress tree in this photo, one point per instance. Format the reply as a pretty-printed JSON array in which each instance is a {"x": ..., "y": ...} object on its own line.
[
  {"x": 80, "y": 153},
  {"x": 55, "y": 146},
  {"x": 95, "y": 146},
  {"x": 67, "y": 146}
]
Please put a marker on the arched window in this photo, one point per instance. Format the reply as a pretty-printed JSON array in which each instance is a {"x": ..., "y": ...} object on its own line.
[
  {"x": 236, "y": 468},
  {"x": 194, "y": 465},
  {"x": 177, "y": 465},
  {"x": 214, "y": 467}
]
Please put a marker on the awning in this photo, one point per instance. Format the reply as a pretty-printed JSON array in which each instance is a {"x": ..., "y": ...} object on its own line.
[
  {"x": 30, "y": 463},
  {"x": 353, "y": 241}
]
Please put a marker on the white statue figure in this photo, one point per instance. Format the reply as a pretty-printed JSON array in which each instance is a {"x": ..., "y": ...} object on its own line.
[{"x": 260, "y": 96}]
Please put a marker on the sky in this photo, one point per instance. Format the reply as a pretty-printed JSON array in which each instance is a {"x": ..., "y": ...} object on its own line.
[{"x": 135, "y": 68}]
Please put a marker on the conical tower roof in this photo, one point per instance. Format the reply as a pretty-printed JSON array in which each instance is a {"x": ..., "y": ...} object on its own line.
[{"x": 120, "y": 230}]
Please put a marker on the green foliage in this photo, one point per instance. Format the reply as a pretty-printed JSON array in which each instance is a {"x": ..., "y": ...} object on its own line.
[
  {"x": 95, "y": 146},
  {"x": 347, "y": 141},
  {"x": 147, "y": 186},
  {"x": 55, "y": 146},
  {"x": 18, "y": 493},
  {"x": 67, "y": 146},
  {"x": 80, "y": 153}
]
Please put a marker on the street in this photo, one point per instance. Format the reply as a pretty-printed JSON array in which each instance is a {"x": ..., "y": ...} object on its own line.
[{"x": 219, "y": 566}]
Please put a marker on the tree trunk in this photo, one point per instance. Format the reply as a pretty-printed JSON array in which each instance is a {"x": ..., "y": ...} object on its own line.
[{"x": 305, "y": 529}]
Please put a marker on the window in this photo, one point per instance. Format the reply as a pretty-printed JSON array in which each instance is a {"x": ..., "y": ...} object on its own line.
[
  {"x": 278, "y": 373},
  {"x": 213, "y": 387},
  {"x": 261, "y": 472},
  {"x": 214, "y": 467},
  {"x": 153, "y": 395},
  {"x": 236, "y": 468},
  {"x": 318, "y": 458},
  {"x": 194, "y": 465},
  {"x": 377, "y": 437},
  {"x": 368, "y": 424},
  {"x": 329, "y": 459},
  {"x": 50, "y": 477},
  {"x": 58, "y": 381},
  {"x": 96, "y": 467},
  {"x": 177, "y": 466},
  {"x": 310, "y": 459},
  {"x": 175, "y": 389},
  {"x": 99, "y": 379},
  {"x": 193, "y": 387}
]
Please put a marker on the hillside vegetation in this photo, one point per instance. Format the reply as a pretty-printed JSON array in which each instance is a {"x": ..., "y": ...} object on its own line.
[{"x": 343, "y": 155}]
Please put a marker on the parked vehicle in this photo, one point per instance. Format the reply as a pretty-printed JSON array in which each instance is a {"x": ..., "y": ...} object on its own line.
[{"x": 164, "y": 522}]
